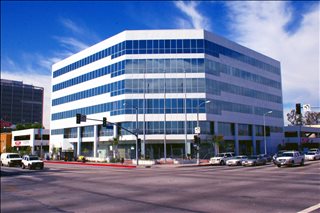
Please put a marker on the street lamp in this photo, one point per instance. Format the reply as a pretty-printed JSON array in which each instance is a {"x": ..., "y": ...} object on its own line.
[
  {"x": 264, "y": 131},
  {"x": 137, "y": 132},
  {"x": 198, "y": 133}
]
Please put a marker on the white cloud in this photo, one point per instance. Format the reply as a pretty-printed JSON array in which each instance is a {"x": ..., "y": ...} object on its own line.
[
  {"x": 72, "y": 44},
  {"x": 261, "y": 26},
  {"x": 34, "y": 79},
  {"x": 35, "y": 68},
  {"x": 195, "y": 18},
  {"x": 69, "y": 24}
]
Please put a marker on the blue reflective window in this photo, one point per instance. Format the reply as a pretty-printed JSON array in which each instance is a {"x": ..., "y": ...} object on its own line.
[
  {"x": 135, "y": 44},
  {"x": 173, "y": 44},
  {"x": 186, "y": 43},
  {"x": 179, "y": 44}
]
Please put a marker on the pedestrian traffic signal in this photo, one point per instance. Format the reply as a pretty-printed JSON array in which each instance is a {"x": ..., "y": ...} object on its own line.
[
  {"x": 104, "y": 122},
  {"x": 196, "y": 139},
  {"x": 78, "y": 118},
  {"x": 298, "y": 109}
]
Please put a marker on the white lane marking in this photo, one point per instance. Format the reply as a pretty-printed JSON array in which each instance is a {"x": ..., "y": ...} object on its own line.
[{"x": 310, "y": 209}]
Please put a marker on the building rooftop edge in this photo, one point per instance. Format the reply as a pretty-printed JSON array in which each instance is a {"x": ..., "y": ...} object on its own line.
[{"x": 124, "y": 33}]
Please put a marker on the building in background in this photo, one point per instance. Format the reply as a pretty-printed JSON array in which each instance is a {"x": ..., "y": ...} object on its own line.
[
  {"x": 5, "y": 142},
  {"x": 35, "y": 141},
  {"x": 166, "y": 81},
  {"x": 20, "y": 103},
  {"x": 300, "y": 137}
]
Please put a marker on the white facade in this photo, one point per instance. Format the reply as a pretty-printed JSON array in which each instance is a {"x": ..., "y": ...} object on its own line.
[
  {"x": 34, "y": 138},
  {"x": 226, "y": 106}
]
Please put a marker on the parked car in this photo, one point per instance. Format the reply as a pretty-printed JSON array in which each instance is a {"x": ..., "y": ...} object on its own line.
[
  {"x": 312, "y": 155},
  {"x": 221, "y": 158},
  {"x": 10, "y": 159},
  {"x": 278, "y": 154},
  {"x": 267, "y": 157},
  {"x": 314, "y": 150},
  {"x": 236, "y": 161},
  {"x": 290, "y": 158},
  {"x": 31, "y": 162},
  {"x": 254, "y": 160}
]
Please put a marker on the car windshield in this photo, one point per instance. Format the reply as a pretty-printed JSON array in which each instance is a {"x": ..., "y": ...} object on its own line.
[
  {"x": 219, "y": 155},
  {"x": 287, "y": 154},
  {"x": 14, "y": 156},
  {"x": 241, "y": 157},
  {"x": 34, "y": 158},
  {"x": 252, "y": 157},
  {"x": 311, "y": 153}
]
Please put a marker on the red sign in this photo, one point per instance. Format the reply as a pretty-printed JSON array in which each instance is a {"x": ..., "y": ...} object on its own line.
[{"x": 17, "y": 143}]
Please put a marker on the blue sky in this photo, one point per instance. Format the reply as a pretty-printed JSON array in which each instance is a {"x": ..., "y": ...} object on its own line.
[{"x": 35, "y": 34}]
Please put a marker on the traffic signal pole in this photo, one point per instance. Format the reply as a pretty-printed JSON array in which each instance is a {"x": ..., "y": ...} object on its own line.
[{"x": 104, "y": 121}]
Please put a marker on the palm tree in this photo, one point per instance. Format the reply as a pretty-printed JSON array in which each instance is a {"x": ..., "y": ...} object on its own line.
[{"x": 216, "y": 141}]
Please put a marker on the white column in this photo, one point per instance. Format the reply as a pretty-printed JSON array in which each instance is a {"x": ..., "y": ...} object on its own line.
[
  {"x": 115, "y": 131},
  {"x": 95, "y": 140},
  {"x": 236, "y": 139},
  {"x": 79, "y": 140},
  {"x": 32, "y": 141}
]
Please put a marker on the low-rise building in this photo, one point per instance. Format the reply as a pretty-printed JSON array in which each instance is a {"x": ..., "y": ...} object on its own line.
[
  {"x": 36, "y": 139},
  {"x": 5, "y": 142},
  {"x": 299, "y": 137}
]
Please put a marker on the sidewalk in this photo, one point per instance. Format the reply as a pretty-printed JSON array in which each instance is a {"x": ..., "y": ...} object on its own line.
[
  {"x": 118, "y": 165},
  {"x": 125, "y": 165}
]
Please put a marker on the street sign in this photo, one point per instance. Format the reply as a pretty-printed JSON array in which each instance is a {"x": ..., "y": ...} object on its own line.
[
  {"x": 306, "y": 107},
  {"x": 83, "y": 118},
  {"x": 197, "y": 130}
]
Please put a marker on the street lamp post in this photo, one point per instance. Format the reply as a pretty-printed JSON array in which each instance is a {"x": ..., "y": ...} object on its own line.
[
  {"x": 264, "y": 131},
  {"x": 198, "y": 151}
]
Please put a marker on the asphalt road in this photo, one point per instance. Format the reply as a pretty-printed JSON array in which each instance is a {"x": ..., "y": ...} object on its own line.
[{"x": 72, "y": 188}]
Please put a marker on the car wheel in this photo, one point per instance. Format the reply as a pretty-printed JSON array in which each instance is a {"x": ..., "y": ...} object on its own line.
[
  {"x": 29, "y": 166},
  {"x": 302, "y": 163},
  {"x": 239, "y": 164},
  {"x": 222, "y": 163},
  {"x": 278, "y": 166},
  {"x": 23, "y": 166}
]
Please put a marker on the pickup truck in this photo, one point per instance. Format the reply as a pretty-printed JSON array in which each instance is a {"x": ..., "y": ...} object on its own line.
[
  {"x": 290, "y": 158},
  {"x": 31, "y": 162},
  {"x": 221, "y": 158}
]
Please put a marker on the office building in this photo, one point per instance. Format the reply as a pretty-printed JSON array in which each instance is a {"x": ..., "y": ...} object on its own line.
[
  {"x": 21, "y": 103},
  {"x": 166, "y": 81}
]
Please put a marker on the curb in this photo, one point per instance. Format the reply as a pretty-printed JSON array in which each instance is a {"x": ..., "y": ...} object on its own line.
[{"x": 93, "y": 164}]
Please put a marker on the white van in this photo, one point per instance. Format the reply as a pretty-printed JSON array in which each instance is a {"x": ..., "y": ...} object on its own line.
[{"x": 10, "y": 159}]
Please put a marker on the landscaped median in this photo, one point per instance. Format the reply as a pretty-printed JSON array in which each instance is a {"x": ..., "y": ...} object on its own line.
[{"x": 90, "y": 164}]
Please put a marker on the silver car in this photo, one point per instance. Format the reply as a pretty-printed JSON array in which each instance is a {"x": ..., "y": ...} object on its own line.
[
  {"x": 254, "y": 161},
  {"x": 236, "y": 161}
]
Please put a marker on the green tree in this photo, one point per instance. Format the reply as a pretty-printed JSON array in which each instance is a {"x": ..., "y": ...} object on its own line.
[{"x": 216, "y": 142}]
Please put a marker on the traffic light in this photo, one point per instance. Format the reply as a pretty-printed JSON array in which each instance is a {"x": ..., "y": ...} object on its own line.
[
  {"x": 104, "y": 122},
  {"x": 196, "y": 140},
  {"x": 298, "y": 109},
  {"x": 139, "y": 147},
  {"x": 78, "y": 118}
]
